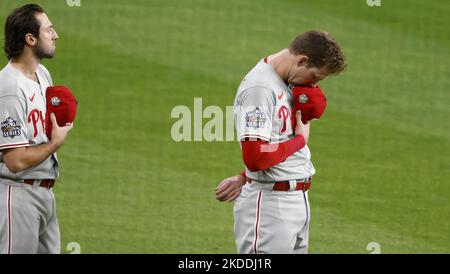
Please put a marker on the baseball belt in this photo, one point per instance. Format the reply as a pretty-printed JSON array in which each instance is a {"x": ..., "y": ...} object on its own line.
[
  {"x": 303, "y": 184},
  {"x": 48, "y": 183}
]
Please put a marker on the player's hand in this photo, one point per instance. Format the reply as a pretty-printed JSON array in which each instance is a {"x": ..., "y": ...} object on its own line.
[
  {"x": 230, "y": 188},
  {"x": 59, "y": 134},
  {"x": 300, "y": 128}
]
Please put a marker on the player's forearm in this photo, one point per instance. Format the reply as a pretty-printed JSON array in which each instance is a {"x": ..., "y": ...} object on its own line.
[
  {"x": 20, "y": 159},
  {"x": 259, "y": 155}
]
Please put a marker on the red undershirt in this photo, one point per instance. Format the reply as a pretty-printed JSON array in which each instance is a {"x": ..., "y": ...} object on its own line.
[{"x": 259, "y": 155}]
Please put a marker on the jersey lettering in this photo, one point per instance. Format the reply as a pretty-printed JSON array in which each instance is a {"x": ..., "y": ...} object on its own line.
[
  {"x": 34, "y": 117},
  {"x": 283, "y": 113}
]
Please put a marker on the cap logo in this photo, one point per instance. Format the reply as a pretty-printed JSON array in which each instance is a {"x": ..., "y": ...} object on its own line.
[
  {"x": 55, "y": 101},
  {"x": 303, "y": 98}
]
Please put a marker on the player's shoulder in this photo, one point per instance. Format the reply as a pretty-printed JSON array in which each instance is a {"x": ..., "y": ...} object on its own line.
[
  {"x": 9, "y": 81},
  {"x": 256, "y": 90},
  {"x": 255, "y": 95},
  {"x": 260, "y": 75},
  {"x": 256, "y": 83}
]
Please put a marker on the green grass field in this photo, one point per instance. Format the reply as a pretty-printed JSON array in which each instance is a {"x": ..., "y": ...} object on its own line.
[{"x": 382, "y": 150}]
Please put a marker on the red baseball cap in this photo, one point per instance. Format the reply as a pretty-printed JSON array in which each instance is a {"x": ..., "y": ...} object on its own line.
[
  {"x": 63, "y": 104},
  {"x": 310, "y": 100}
]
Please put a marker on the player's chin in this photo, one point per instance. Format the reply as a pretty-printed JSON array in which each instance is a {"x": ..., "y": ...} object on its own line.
[
  {"x": 50, "y": 55},
  {"x": 46, "y": 55},
  {"x": 51, "y": 52}
]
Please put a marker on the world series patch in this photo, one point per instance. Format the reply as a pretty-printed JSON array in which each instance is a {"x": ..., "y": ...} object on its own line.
[
  {"x": 255, "y": 119},
  {"x": 10, "y": 128}
]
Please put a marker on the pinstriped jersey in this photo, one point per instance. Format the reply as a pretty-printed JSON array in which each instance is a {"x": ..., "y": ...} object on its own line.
[
  {"x": 263, "y": 109},
  {"x": 22, "y": 118}
]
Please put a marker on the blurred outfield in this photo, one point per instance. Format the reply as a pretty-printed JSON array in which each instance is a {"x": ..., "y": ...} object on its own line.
[{"x": 381, "y": 151}]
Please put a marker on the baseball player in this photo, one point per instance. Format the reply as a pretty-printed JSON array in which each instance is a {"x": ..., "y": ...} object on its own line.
[
  {"x": 271, "y": 211},
  {"x": 28, "y": 162}
]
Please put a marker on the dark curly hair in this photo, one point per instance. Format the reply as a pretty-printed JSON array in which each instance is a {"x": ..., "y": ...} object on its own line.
[
  {"x": 20, "y": 22},
  {"x": 321, "y": 49}
]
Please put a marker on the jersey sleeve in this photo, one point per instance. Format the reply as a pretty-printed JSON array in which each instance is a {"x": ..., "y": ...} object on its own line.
[
  {"x": 13, "y": 124},
  {"x": 254, "y": 113}
]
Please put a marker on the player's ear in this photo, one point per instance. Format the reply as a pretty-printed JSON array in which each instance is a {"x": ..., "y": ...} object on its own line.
[
  {"x": 302, "y": 60},
  {"x": 30, "y": 39}
]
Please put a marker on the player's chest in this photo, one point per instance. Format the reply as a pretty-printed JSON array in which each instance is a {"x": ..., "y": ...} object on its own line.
[
  {"x": 35, "y": 109},
  {"x": 282, "y": 115}
]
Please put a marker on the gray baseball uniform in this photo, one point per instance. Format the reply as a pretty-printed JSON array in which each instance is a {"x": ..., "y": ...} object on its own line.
[
  {"x": 28, "y": 222},
  {"x": 268, "y": 221}
]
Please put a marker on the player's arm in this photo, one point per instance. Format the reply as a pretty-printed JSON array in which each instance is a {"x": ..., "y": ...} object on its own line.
[
  {"x": 260, "y": 155},
  {"x": 230, "y": 188},
  {"x": 23, "y": 158}
]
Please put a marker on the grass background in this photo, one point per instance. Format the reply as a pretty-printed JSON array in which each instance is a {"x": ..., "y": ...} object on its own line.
[{"x": 381, "y": 150}]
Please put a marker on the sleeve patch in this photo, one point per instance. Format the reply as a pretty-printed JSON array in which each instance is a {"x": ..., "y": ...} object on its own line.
[
  {"x": 10, "y": 128},
  {"x": 255, "y": 119}
]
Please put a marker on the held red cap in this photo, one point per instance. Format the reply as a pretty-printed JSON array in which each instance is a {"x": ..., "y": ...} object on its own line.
[
  {"x": 63, "y": 104},
  {"x": 310, "y": 100}
]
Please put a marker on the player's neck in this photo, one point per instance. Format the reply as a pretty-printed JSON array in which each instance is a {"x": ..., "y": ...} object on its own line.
[
  {"x": 27, "y": 63},
  {"x": 281, "y": 62}
]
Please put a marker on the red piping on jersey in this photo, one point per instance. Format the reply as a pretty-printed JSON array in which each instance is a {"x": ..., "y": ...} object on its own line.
[
  {"x": 9, "y": 219},
  {"x": 14, "y": 145},
  {"x": 259, "y": 155},
  {"x": 255, "y": 250}
]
